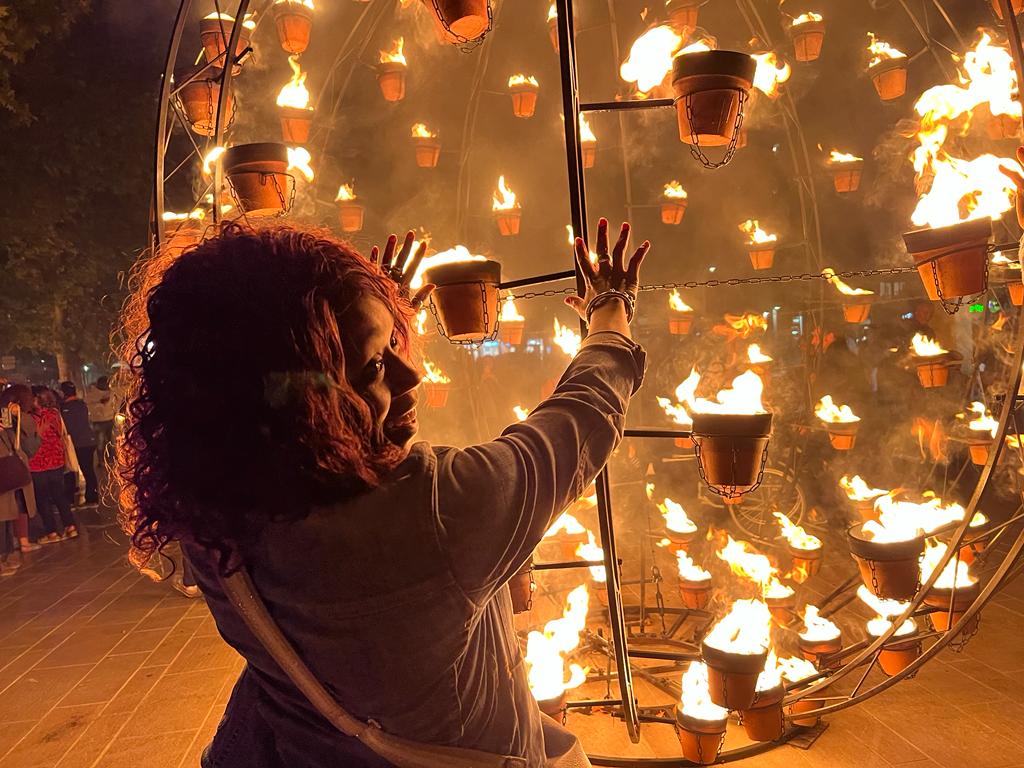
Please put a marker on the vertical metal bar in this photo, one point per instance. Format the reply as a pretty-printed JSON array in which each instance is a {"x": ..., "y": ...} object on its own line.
[
  {"x": 222, "y": 102},
  {"x": 578, "y": 213},
  {"x": 1013, "y": 32}
]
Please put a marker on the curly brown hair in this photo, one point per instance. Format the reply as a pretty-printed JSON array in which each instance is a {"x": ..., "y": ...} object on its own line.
[{"x": 238, "y": 411}]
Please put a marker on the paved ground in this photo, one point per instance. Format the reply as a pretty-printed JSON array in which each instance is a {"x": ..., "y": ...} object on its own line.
[{"x": 100, "y": 667}]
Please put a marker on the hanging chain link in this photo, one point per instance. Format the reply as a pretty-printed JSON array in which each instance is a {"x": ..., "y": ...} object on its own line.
[
  {"x": 491, "y": 333},
  {"x": 466, "y": 45},
  {"x": 695, "y": 148}
]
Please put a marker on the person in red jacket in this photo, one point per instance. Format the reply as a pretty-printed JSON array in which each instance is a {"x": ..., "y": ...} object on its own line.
[{"x": 47, "y": 467}]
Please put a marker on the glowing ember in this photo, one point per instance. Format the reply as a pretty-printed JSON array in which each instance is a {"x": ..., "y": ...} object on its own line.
[
  {"x": 586, "y": 134},
  {"x": 591, "y": 552},
  {"x": 300, "y": 159},
  {"x": 843, "y": 157},
  {"x": 795, "y": 535},
  {"x": 674, "y": 191},
  {"x": 675, "y": 517},
  {"x": 650, "y": 57},
  {"x": 754, "y": 566},
  {"x": 433, "y": 374},
  {"x": 567, "y": 339},
  {"x": 685, "y": 394},
  {"x": 565, "y": 523},
  {"x": 521, "y": 414},
  {"x": 212, "y": 157},
  {"x": 755, "y": 235},
  {"x": 770, "y": 74},
  {"x": 545, "y": 651},
  {"x": 345, "y": 193},
  {"x": 745, "y": 629},
  {"x": 676, "y": 303},
  {"x": 743, "y": 398},
  {"x": 509, "y": 312},
  {"x": 956, "y": 574},
  {"x": 454, "y": 255},
  {"x": 829, "y": 274},
  {"x": 294, "y": 94},
  {"x": 688, "y": 569},
  {"x": 984, "y": 421},
  {"x": 420, "y": 131},
  {"x": 504, "y": 199},
  {"x": 828, "y": 411},
  {"x": 886, "y": 610},
  {"x": 923, "y": 346},
  {"x": 755, "y": 355},
  {"x": 523, "y": 80},
  {"x": 396, "y": 55},
  {"x": 881, "y": 51},
  {"x": 858, "y": 490},
  {"x": 816, "y": 627},
  {"x": 695, "y": 699}
]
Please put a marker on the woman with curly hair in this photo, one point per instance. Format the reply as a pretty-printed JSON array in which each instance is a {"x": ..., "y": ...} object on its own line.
[{"x": 270, "y": 427}]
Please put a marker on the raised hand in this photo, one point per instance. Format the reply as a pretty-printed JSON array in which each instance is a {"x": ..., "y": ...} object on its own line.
[
  {"x": 402, "y": 267},
  {"x": 611, "y": 273}
]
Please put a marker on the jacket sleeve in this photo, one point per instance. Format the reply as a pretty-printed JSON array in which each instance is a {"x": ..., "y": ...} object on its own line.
[
  {"x": 30, "y": 437},
  {"x": 496, "y": 500}
]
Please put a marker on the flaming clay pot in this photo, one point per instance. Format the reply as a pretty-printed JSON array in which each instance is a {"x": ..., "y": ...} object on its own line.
[
  {"x": 511, "y": 331},
  {"x": 1016, "y": 5},
  {"x": 807, "y": 560},
  {"x": 258, "y": 177},
  {"x": 817, "y": 650},
  {"x": 588, "y": 150},
  {"x": 701, "y": 740},
  {"x": 1016, "y": 289},
  {"x": 672, "y": 211},
  {"x": 524, "y": 99},
  {"x": 890, "y": 78},
  {"x": 763, "y": 721},
  {"x": 508, "y": 220},
  {"x": 733, "y": 676},
  {"x": 857, "y": 309},
  {"x": 295, "y": 124},
  {"x": 391, "y": 78},
  {"x": 842, "y": 435},
  {"x": 214, "y": 35},
  {"x": 783, "y": 609},
  {"x": 952, "y": 261},
  {"x": 897, "y": 655},
  {"x": 199, "y": 98},
  {"x": 437, "y": 393},
  {"x": 428, "y": 151},
  {"x": 294, "y": 22},
  {"x": 465, "y": 18},
  {"x": 807, "y": 708},
  {"x": 679, "y": 323},
  {"x": 683, "y": 13},
  {"x": 466, "y": 297},
  {"x": 1002, "y": 127},
  {"x": 889, "y": 570},
  {"x": 695, "y": 594},
  {"x": 553, "y": 707},
  {"x": 934, "y": 372},
  {"x": 761, "y": 257},
  {"x": 679, "y": 541},
  {"x": 710, "y": 87},
  {"x": 944, "y": 618},
  {"x": 807, "y": 40},
  {"x": 846, "y": 176},
  {"x": 730, "y": 448},
  {"x": 979, "y": 448},
  {"x": 686, "y": 443},
  {"x": 521, "y": 588},
  {"x": 350, "y": 214}
]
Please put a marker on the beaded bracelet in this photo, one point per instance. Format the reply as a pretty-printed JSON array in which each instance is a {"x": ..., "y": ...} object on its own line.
[{"x": 603, "y": 298}]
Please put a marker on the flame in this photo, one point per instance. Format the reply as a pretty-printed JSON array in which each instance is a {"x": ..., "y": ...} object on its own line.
[
  {"x": 756, "y": 356},
  {"x": 816, "y": 627},
  {"x": 345, "y": 193},
  {"x": 650, "y": 57},
  {"x": 545, "y": 651},
  {"x": 1003, "y": 260},
  {"x": 742, "y": 326},
  {"x": 300, "y": 159},
  {"x": 984, "y": 422},
  {"x": 746, "y": 563},
  {"x": 433, "y": 375},
  {"x": 509, "y": 312},
  {"x": 212, "y": 157},
  {"x": 743, "y": 398},
  {"x": 828, "y": 411},
  {"x": 685, "y": 394},
  {"x": 769, "y": 74},
  {"x": 695, "y": 699},
  {"x": 956, "y": 574},
  {"x": 590, "y": 551},
  {"x": 294, "y": 93},
  {"x": 830, "y": 274},
  {"x": 454, "y": 255},
  {"x": 421, "y": 322},
  {"x": 523, "y": 80},
  {"x": 247, "y": 20},
  {"x": 745, "y": 629},
  {"x": 521, "y": 414},
  {"x": 504, "y": 198},
  {"x": 586, "y": 134},
  {"x": 676, "y": 518},
  {"x": 565, "y": 523},
  {"x": 420, "y": 131},
  {"x": 567, "y": 339},
  {"x": 795, "y": 534},
  {"x": 552, "y": 12},
  {"x": 926, "y": 347},
  {"x": 806, "y": 18},
  {"x": 675, "y": 302},
  {"x": 704, "y": 44},
  {"x": 688, "y": 569},
  {"x": 1013, "y": 441},
  {"x": 755, "y": 235},
  {"x": 771, "y": 675},
  {"x": 196, "y": 214},
  {"x": 881, "y": 51},
  {"x": 307, "y": 3},
  {"x": 795, "y": 669},
  {"x": 886, "y": 609},
  {"x": 904, "y": 520},
  {"x": 674, "y": 191},
  {"x": 843, "y": 157},
  {"x": 396, "y": 54}
]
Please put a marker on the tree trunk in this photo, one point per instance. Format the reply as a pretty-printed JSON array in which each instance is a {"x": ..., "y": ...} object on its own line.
[{"x": 59, "y": 348}]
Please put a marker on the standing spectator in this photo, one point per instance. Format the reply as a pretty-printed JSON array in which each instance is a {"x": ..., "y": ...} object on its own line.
[
  {"x": 76, "y": 418},
  {"x": 48, "y": 469},
  {"x": 18, "y": 440},
  {"x": 20, "y": 396},
  {"x": 102, "y": 406}
]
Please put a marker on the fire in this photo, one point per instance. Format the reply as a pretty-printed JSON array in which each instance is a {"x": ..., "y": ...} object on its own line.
[
  {"x": 523, "y": 80},
  {"x": 795, "y": 534},
  {"x": 904, "y": 520},
  {"x": 746, "y": 324},
  {"x": 795, "y": 669},
  {"x": 196, "y": 214},
  {"x": 695, "y": 699},
  {"x": 756, "y": 356},
  {"x": 565, "y": 523},
  {"x": 545, "y": 651},
  {"x": 307, "y": 3},
  {"x": 420, "y": 131},
  {"x": 650, "y": 57},
  {"x": 755, "y": 234},
  {"x": 676, "y": 518},
  {"x": 886, "y": 609},
  {"x": 345, "y": 193},
  {"x": 586, "y": 134},
  {"x": 984, "y": 422},
  {"x": 591, "y": 552},
  {"x": 676, "y": 303},
  {"x": 504, "y": 199},
  {"x": 771, "y": 675},
  {"x": 674, "y": 191},
  {"x": 294, "y": 93},
  {"x": 743, "y": 398},
  {"x": 756, "y": 567},
  {"x": 421, "y": 322},
  {"x": 806, "y": 18},
  {"x": 858, "y": 490},
  {"x": 830, "y": 274},
  {"x": 770, "y": 74},
  {"x": 521, "y": 414},
  {"x": 212, "y": 157},
  {"x": 816, "y": 627},
  {"x": 745, "y": 629},
  {"x": 704, "y": 44},
  {"x": 509, "y": 312},
  {"x": 396, "y": 55},
  {"x": 926, "y": 347},
  {"x": 685, "y": 394},
  {"x": 843, "y": 157},
  {"x": 433, "y": 374},
  {"x": 247, "y": 21},
  {"x": 572, "y": 242},
  {"x": 552, "y": 12},
  {"x": 300, "y": 159},
  {"x": 881, "y": 51},
  {"x": 567, "y": 339},
  {"x": 829, "y": 412},
  {"x": 454, "y": 255},
  {"x": 688, "y": 569},
  {"x": 956, "y": 574}
]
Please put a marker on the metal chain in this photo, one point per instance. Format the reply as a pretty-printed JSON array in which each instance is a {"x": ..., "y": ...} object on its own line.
[
  {"x": 729, "y": 492},
  {"x": 472, "y": 343},
  {"x": 695, "y": 149},
  {"x": 466, "y": 45}
]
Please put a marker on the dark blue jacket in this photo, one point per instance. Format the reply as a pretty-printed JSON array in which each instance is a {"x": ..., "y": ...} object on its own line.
[{"x": 76, "y": 418}]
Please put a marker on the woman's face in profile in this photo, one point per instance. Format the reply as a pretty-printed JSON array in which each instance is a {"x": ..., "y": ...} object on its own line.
[{"x": 377, "y": 369}]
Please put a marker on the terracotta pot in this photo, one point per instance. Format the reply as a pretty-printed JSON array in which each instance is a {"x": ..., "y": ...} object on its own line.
[
  {"x": 817, "y": 650},
  {"x": 214, "y": 35},
  {"x": 1016, "y": 289},
  {"x": 524, "y": 99},
  {"x": 553, "y": 707},
  {"x": 521, "y": 587},
  {"x": 935, "y": 372},
  {"x": 466, "y": 298},
  {"x": 350, "y": 213},
  {"x": 979, "y": 448},
  {"x": 701, "y": 740},
  {"x": 807, "y": 560},
  {"x": 955, "y": 258},
  {"x": 683, "y": 13},
  {"x": 437, "y": 393},
  {"x": 1002, "y": 126},
  {"x": 294, "y": 22},
  {"x": 391, "y": 78},
  {"x": 708, "y": 87},
  {"x": 588, "y": 150},
  {"x": 1016, "y": 5},
  {"x": 672, "y": 211},
  {"x": 733, "y": 676},
  {"x": 200, "y": 97},
  {"x": 465, "y": 18},
  {"x": 686, "y": 443},
  {"x": 857, "y": 312},
  {"x": 428, "y": 151},
  {"x": 695, "y": 594},
  {"x": 295, "y": 124},
  {"x": 761, "y": 257},
  {"x": 889, "y": 570},
  {"x": 763, "y": 721},
  {"x": 806, "y": 708},
  {"x": 730, "y": 447},
  {"x": 258, "y": 177},
  {"x": 511, "y": 331},
  {"x": 783, "y": 609},
  {"x": 889, "y": 78},
  {"x": 842, "y": 435},
  {"x": 807, "y": 40},
  {"x": 508, "y": 221},
  {"x": 680, "y": 542},
  {"x": 679, "y": 324},
  {"x": 846, "y": 176},
  {"x": 898, "y": 655},
  {"x": 944, "y": 618},
  {"x": 866, "y": 509}
]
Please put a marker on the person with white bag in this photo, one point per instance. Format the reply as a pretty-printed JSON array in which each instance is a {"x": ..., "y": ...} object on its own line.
[{"x": 48, "y": 466}]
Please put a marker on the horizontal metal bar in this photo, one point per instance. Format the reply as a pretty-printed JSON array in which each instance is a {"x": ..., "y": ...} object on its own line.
[
  {"x": 568, "y": 564},
  {"x": 606, "y": 106},
  {"x": 583, "y": 703},
  {"x": 657, "y": 433},
  {"x": 637, "y": 653},
  {"x": 538, "y": 279}
]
